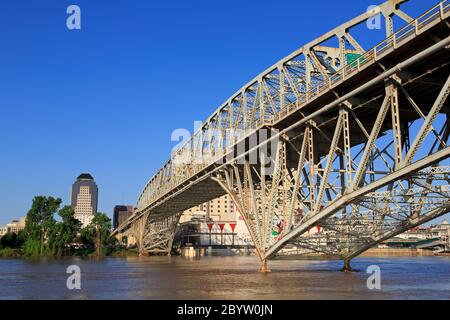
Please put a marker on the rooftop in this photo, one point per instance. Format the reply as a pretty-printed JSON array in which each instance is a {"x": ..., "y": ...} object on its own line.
[{"x": 85, "y": 176}]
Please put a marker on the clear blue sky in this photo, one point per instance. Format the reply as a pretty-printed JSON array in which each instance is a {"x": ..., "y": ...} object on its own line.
[{"x": 105, "y": 99}]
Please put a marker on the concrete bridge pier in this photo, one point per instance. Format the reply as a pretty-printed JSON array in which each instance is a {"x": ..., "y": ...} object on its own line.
[
  {"x": 141, "y": 250},
  {"x": 264, "y": 267},
  {"x": 347, "y": 267}
]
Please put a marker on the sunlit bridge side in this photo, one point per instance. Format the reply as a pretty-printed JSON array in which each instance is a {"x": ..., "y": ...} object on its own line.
[{"x": 342, "y": 146}]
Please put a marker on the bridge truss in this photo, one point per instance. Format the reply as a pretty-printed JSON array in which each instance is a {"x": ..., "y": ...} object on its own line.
[{"x": 332, "y": 150}]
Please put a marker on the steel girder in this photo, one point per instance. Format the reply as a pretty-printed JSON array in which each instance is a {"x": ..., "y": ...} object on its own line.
[
  {"x": 159, "y": 233},
  {"x": 379, "y": 192},
  {"x": 153, "y": 235}
]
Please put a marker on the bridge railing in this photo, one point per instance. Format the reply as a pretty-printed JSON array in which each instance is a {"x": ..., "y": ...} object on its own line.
[
  {"x": 412, "y": 29},
  {"x": 180, "y": 167}
]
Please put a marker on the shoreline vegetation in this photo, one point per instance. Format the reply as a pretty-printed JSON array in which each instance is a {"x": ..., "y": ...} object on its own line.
[
  {"x": 122, "y": 252},
  {"x": 54, "y": 232},
  {"x": 47, "y": 237},
  {"x": 83, "y": 253}
]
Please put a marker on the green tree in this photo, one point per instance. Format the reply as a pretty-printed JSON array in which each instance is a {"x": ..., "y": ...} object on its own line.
[
  {"x": 68, "y": 229},
  {"x": 40, "y": 223},
  {"x": 9, "y": 240},
  {"x": 52, "y": 235},
  {"x": 98, "y": 232},
  {"x": 61, "y": 234},
  {"x": 21, "y": 238}
]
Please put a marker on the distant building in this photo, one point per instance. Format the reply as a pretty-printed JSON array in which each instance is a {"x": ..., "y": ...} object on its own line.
[
  {"x": 13, "y": 227},
  {"x": 16, "y": 225},
  {"x": 84, "y": 198},
  {"x": 121, "y": 214},
  {"x": 441, "y": 230},
  {"x": 220, "y": 209},
  {"x": 216, "y": 222},
  {"x": 3, "y": 231},
  {"x": 436, "y": 237}
]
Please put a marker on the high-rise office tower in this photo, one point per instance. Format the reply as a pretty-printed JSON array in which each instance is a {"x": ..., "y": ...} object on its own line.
[{"x": 84, "y": 198}]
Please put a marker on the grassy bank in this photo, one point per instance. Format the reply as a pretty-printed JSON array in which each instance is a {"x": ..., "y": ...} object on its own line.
[{"x": 10, "y": 253}]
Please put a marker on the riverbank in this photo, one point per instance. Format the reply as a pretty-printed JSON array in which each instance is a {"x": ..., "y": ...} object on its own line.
[
  {"x": 248, "y": 251},
  {"x": 85, "y": 252},
  {"x": 401, "y": 252},
  {"x": 191, "y": 252},
  {"x": 10, "y": 253}
]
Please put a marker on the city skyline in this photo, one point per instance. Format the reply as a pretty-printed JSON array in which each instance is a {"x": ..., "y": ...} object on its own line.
[{"x": 104, "y": 71}]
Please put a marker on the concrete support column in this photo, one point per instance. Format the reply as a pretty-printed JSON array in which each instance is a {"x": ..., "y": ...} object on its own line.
[
  {"x": 347, "y": 267},
  {"x": 264, "y": 268}
]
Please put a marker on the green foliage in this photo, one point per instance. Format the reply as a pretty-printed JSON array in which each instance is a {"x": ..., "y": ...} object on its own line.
[
  {"x": 32, "y": 247},
  {"x": 98, "y": 232},
  {"x": 41, "y": 212},
  {"x": 9, "y": 253},
  {"x": 39, "y": 224},
  {"x": 11, "y": 240},
  {"x": 21, "y": 238},
  {"x": 120, "y": 251},
  {"x": 44, "y": 235},
  {"x": 62, "y": 234},
  {"x": 103, "y": 223}
]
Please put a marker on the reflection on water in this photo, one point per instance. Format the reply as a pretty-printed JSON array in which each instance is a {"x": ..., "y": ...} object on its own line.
[{"x": 224, "y": 278}]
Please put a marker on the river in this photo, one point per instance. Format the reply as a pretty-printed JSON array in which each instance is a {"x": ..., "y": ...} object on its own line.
[{"x": 224, "y": 278}]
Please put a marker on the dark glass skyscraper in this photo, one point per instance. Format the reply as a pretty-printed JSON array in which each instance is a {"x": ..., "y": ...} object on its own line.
[
  {"x": 84, "y": 199},
  {"x": 121, "y": 214}
]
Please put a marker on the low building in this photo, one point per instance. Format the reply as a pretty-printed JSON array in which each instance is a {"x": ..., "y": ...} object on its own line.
[
  {"x": 442, "y": 231},
  {"x": 220, "y": 209},
  {"x": 419, "y": 233},
  {"x": 16, "y": 225},
  {"x": 435, "y": 237},
  {"x": 13, "y": 227},
  {"x": 215, "y": 223},
  {"x": 3, "y": 231}
]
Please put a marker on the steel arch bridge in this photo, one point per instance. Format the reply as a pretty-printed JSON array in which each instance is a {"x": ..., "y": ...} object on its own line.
[{"x": 336, "y": 146}]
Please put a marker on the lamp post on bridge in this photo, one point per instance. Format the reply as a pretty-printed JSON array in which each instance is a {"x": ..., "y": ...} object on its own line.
[
  {"x": 233, "y": 226},
  {"x": 210, "y": 226},
  {"x": 221, "y": 225}
]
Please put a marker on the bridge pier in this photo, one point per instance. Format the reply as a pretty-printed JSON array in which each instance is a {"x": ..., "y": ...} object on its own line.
[
  {"x": 143, "y": 253},
  {"x": 264, "y": 267},
  {"x": 347, "y": 267}
]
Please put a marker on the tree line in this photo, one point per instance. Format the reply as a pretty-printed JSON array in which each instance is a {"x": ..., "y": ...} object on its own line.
[{"x": 45, "y": 235}]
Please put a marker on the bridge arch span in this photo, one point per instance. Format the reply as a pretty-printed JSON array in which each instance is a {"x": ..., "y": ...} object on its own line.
[{"x": 330, "y": 150}]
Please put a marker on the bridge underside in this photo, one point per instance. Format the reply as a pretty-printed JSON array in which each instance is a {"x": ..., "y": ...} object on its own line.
[{"x": 357, "y": 165}]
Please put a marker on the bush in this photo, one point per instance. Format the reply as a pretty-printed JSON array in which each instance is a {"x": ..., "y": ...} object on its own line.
[
  {"x": 32, "y": 247},
  {"x": 9, "y": 253},
  {"x": 11, "y": 240}
]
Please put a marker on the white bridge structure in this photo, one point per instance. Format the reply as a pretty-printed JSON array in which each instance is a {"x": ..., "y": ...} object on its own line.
[{"x": 347, "y": 141}]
